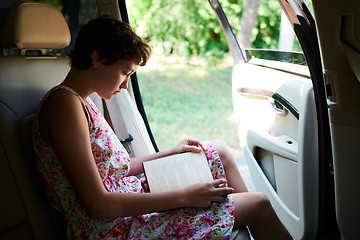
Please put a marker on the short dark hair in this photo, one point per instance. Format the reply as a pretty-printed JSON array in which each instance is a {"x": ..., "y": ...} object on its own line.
[{"x": 113, "y": 39}]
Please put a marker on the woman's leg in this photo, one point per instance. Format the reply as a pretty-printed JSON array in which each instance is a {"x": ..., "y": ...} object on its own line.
[
  {"x": 231, "y": 169},
  {"x": 255, "y": 211}
]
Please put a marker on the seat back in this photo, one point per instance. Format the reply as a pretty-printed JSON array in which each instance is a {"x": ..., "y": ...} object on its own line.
[{"x": 24, "y": 211}]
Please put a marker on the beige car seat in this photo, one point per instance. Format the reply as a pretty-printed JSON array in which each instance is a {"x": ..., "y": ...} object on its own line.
[{"x": 24, "y": 211}]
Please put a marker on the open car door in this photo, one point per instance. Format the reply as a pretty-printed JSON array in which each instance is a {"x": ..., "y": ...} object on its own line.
[{"x": 280, "y": 104}]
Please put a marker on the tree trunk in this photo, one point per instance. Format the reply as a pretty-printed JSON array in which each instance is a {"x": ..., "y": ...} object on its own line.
[
  {"x": 287, "y": 35},
  {"x": 248, "y": 23}
]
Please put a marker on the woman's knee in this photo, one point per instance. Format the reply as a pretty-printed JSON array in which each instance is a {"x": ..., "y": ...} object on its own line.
[
  {"x": 223, "y": 150},
  {"x": 219, "y": 145},
  {"x": 252, "y": 208},
  {"x": 261, "y": 199},
  {"x": 263, "y": 206}
]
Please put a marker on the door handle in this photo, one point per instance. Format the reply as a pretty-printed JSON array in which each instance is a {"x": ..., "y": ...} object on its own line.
[{"x": 279, "y": 108}]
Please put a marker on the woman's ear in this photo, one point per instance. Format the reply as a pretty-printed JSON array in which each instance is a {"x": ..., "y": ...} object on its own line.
[{"x": 95, "y": 58}]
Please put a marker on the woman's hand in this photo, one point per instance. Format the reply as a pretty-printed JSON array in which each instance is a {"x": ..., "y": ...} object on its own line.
[
  {"x": 188, "y": 145},
  {"x": 203, "y": 194}
]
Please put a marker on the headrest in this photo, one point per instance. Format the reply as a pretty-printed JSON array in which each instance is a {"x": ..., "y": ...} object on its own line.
[{"x": 35, "y": 25}]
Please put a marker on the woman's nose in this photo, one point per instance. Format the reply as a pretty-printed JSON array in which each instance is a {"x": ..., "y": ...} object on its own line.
[{"x": 124, "y": 84}]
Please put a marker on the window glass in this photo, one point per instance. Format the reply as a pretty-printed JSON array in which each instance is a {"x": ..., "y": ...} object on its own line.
[
  {"x": 272, "y": 36},
  {"x": 76, "y": 13}
]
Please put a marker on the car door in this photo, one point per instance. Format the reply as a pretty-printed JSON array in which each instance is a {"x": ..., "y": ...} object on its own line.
[{"x": 280, "y": 105}]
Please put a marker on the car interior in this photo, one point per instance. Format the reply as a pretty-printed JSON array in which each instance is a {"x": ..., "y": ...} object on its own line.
[
  {"x": 25, "y": 212},
  {"x": 298, "y": 124},
  {"x": 25, "y": 78}
]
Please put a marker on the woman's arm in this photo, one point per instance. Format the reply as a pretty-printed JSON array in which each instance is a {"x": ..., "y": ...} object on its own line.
[
  {"x": 187, "y": 145},
  {"x": 64, "y": 125},
  {"x": 133, "y": 204}
]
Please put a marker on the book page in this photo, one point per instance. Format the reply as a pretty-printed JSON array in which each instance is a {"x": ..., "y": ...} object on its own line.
[{"x": 177, "y": 171}]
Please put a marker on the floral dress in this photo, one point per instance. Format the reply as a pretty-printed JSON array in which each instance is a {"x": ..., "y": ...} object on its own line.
[{"x": 113, "y": 163}]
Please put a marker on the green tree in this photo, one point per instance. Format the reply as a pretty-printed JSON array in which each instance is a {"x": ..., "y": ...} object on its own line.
[
  {"x": 190, "y": 27},
  {"x": 186, "y": 27},
  {"x": 267, "y": 26}
]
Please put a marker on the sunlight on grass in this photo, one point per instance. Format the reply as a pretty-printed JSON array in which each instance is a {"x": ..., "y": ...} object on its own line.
[{"x": 184, "y": 100}]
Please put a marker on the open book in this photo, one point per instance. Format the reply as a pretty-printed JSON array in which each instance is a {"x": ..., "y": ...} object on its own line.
[{"x": 177, "y": 171}]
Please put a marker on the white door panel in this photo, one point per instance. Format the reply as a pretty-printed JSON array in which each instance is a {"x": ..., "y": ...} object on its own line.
[
  {"x": 277, "y": 125},
  {"x": 287, "y": 184},
  {"x": 282, "y": 145},
  {"x": 287, "y": 216},
  {"x": 251, "y": 84}
]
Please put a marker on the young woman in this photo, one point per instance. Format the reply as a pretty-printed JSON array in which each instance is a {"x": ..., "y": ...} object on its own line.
[{"x": 91, "y": 179}]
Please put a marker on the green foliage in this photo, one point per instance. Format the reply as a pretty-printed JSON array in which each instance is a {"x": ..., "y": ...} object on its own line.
[
  {"x": 190, "y": 27},
  {"x": 182, "y": 27},
  {"x": 267, "y": 25}
]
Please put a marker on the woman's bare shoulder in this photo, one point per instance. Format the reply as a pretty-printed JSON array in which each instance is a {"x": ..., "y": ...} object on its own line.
[{"x": 61, "y": 110}]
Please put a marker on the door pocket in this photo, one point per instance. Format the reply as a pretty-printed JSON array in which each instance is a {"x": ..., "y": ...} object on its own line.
[{"x": 277, "y": 156}]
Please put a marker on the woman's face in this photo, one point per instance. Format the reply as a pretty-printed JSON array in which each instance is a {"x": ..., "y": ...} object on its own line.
[{"x": 112, "y": 78}]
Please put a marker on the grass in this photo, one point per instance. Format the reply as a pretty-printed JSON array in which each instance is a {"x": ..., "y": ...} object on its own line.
[{"x": 183, "y": 100}]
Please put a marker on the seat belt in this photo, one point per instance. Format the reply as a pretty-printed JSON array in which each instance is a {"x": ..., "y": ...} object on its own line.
[{"x": 120, "y": 127}]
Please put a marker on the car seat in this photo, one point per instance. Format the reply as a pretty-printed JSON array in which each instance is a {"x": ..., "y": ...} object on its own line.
[{"x": 24, "y": 79}]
